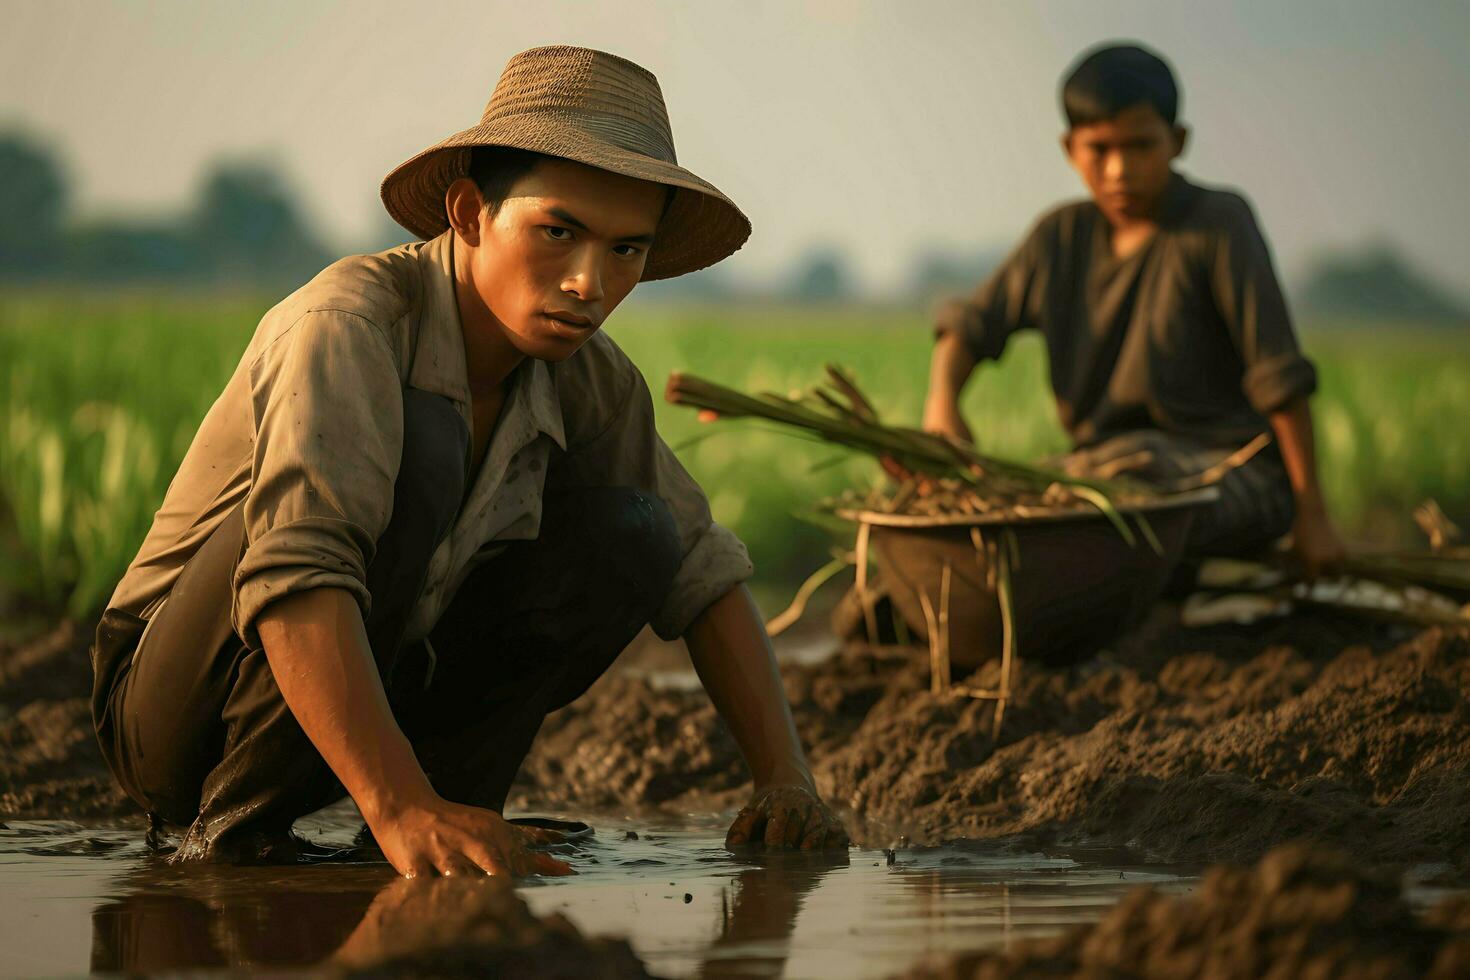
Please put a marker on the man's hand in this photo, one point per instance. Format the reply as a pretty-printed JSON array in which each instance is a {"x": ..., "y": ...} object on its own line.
[
  {"x": 318, "y": 652},
  {"x": 449, "y": 839},
  {"x": 787, "y": 817},
  {"x": 732, "y": 655},
  {"x": 1315, "y": 543}
]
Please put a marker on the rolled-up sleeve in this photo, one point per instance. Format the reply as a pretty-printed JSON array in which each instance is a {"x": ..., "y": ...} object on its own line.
[
  {"x": 629, "y": 452},
  {"x": 1249, "y": 298},
  {"x": 328, "y": 416}
]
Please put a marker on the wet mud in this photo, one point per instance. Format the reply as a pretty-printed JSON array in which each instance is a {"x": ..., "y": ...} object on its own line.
[
  {"x": 1181, "y": 745},
  {"x": 1299, "y": 912},
  {"x": 50, "y": 765}
]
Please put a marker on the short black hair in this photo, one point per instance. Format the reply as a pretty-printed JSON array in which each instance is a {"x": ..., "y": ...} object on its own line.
[
  {"x": 1108, "y": 79},
  {"x": 495, "y": 170}
]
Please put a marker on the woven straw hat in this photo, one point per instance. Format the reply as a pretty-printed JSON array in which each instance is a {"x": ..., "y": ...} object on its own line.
[{"x": 594, "y": 108}]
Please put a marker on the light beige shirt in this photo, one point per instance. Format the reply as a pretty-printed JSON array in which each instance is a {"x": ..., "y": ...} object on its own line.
[{"x": 308, "y": 434}]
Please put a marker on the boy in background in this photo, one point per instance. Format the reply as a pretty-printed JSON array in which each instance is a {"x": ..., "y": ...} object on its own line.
[{"x": 1169, "y": 341}]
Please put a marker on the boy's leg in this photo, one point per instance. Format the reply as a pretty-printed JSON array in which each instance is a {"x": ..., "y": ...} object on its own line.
[
  {"x": 531, "y": 630},
  {"x": 1255, "y": 505},
  {"x": 194, "y": 725}
]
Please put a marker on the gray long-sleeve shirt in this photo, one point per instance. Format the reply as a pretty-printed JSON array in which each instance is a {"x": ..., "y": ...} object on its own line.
[{"x": 1189, "y": 334}]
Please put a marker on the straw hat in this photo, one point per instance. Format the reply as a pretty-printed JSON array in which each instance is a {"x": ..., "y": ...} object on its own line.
[{"x": 594, "y": 108}]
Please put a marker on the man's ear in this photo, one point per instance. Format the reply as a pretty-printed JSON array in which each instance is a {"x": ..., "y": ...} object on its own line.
[
  {"x": 1181, "y": 140},
  {"x": 1066, "y": 142},
  {"x": 463, "y": 205}
]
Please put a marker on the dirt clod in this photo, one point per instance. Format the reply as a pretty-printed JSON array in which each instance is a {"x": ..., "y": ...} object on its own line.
[
  {"x": 1300, "y": 912},
  {"x": 1198, "y": 746}
]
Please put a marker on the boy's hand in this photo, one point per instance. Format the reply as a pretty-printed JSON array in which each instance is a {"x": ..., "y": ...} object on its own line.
[
  {"x": 942, "y": 417},
  {"x": 788, "y": 816},
  {"x": 1315, "y": 543},
  {"x": 450, "y": 839}
]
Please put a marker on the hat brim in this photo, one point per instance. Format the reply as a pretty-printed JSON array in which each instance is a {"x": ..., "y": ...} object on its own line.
[{"x": 700, "y": 227}]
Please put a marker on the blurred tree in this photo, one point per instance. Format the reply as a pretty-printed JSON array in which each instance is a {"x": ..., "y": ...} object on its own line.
[
  {"x": 1377, "y": 281},
  {"x": 132, "y": 250},
  {"x": 821, "y": 277},
  {"x": 33, "y": 200},
  {"x": 248, "y": 227},
  {"x": 941, "y": 274}
]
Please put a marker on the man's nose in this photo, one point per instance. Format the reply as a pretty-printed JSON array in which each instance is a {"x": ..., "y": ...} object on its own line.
[
  {"x": 584, "y": 281},
  {"x": 1115, "y": 165}
]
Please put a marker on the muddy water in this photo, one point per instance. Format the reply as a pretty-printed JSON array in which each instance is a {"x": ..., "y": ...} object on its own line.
[{"x": 75, "y": 898}]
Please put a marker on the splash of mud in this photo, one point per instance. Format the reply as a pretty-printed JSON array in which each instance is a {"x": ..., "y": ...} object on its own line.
[
  {"x": 1189, "y": 746},
  {"x": 1300, "y": 912}
]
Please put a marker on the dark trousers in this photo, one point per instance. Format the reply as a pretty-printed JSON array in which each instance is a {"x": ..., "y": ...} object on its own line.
[
  {"x": 1255, "y": 505},
  {"x": 195, "y": 729}
]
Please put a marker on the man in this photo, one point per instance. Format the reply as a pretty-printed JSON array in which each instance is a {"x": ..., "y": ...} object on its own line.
[
  {"x": 1171, "y": 350},
  {"x": 431, "y": 506}
]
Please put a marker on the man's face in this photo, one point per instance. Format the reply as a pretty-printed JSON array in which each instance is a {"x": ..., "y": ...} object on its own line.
[
  {"x": 563, "y": 250},
  {"x": 1125, "y": 161}
]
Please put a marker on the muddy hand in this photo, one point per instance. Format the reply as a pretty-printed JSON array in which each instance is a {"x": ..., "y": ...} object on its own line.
[
  {"x": 449, "y": 839},
  {"x": 787, "y": 817}
]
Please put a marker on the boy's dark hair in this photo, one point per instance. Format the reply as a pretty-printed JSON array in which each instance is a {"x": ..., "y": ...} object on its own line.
[
  {"x": 1109, "y": 79},
  {"x": 495, "y": 169}
]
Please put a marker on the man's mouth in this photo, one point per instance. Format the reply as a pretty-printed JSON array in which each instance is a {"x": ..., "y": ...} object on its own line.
[{"x": 575, "y": 320}]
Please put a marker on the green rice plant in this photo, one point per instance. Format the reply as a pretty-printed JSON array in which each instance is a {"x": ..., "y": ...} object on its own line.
[{"x": 100, "y": 394}]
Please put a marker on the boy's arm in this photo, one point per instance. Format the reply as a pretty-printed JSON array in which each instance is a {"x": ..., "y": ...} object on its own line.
[
  {"x": 1278, "y": 379},
  {"x": 319, "y": 655},
  {"x": 1314, "y": 539},
  {"x": 732, "y": 655},
  {"x": 968, "y": 331},
  {"x": 949, "y": 369}
]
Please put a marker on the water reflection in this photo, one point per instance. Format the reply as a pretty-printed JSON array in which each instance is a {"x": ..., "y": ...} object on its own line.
[
  {"x": 169, "y": 919},
  {"x": 254, "y": 918},
  {"x": 687, "y": 906},
  {"x": 758, "y": 914}
]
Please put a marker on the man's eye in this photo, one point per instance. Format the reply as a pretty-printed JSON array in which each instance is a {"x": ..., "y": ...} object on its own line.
[
  {"x": 627, "y": 251},
  {"x": 558, "y": 233}
]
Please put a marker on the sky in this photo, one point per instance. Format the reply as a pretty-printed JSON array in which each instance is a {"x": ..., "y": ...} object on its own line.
[{"x": 880, "y": 129}]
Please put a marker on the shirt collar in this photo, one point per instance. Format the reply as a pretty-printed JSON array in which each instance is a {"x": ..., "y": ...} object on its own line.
[
  {"x": 439, "y": 362},
  {"x": 1178, "y": 195}
]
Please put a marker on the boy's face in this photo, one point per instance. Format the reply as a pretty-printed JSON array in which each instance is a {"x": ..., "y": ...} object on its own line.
[
  {"x": 558, "y": 256},
  {"x": 1125, "y": 161}
]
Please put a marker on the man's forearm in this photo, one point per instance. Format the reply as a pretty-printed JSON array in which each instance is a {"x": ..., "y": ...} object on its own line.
[
  {"x": 319, "y": 654},
  {"x": 733, "y": 657},
  {"x": 1292, "y": 427}
]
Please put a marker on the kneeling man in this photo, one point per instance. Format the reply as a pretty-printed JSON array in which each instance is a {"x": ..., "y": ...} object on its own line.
[{"x": 430, "y": 506}]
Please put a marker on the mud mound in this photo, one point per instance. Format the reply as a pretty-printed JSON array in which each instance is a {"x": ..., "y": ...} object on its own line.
[
  {"x": 49, "y": 762},
  {"x": 1188, "y": 746},
  {"x": 449, "y": 928},
  {"x": 1301, "y": 912}
]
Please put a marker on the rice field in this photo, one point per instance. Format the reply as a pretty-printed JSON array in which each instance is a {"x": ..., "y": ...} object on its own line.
[{"x": 100, "y": 396}]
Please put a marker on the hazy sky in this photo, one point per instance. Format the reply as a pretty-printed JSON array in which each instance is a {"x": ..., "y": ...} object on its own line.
[{"x": 881, "y": 128}]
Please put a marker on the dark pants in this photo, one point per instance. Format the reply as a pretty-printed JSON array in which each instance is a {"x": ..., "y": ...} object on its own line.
[
  {"x": 1255, "y": 505},
  {"x": 195, "y": 728}
]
